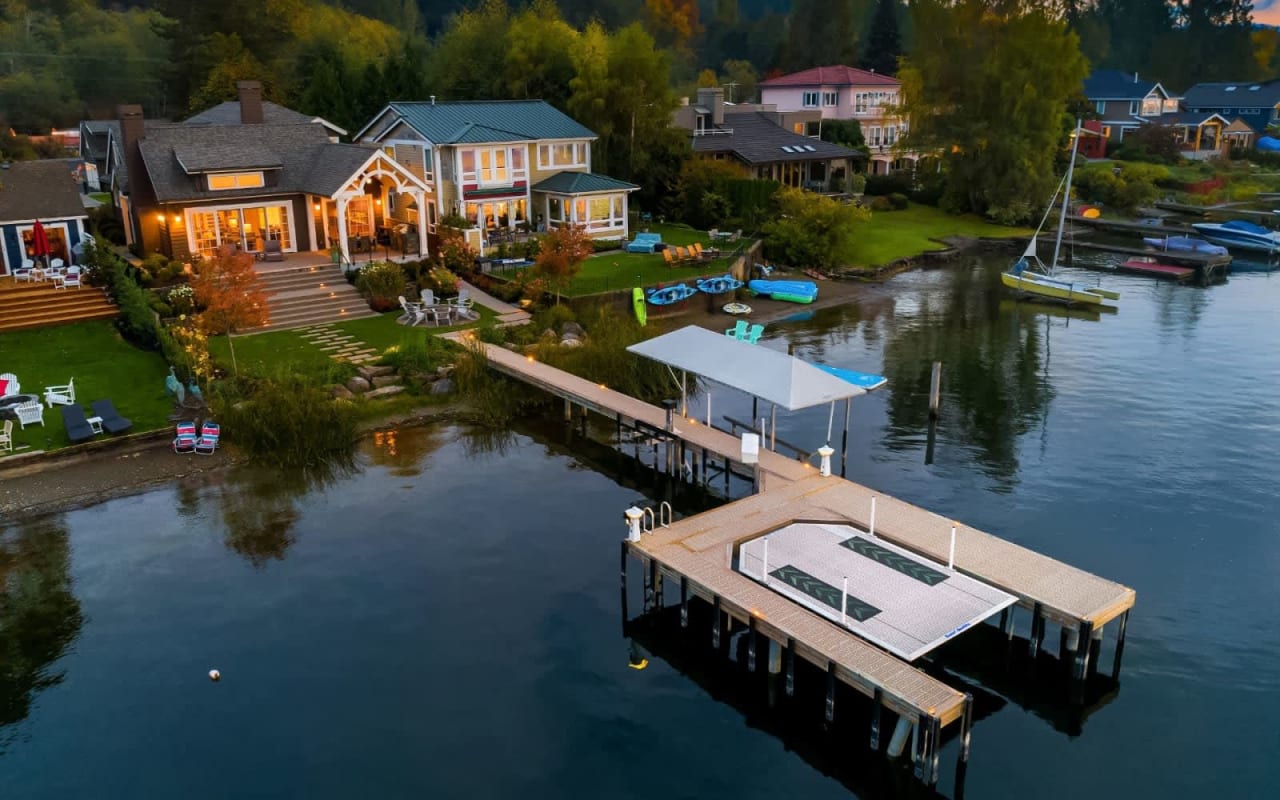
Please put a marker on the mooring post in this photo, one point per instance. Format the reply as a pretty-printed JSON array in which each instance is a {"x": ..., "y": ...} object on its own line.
[
  {"x": 966, "y": 727},
  {"x": 751, "y": 643},
  {"x": 684, "y": 602},
  {"x": 1095, "y": 652},
  {"x": 844, "y": 438},
  {"x": 568, "y": 410},
  {"x": 935, "y": 723},
  {"x": 775, "y": 656},
  {"x": 622, "y": 569},
  {"x": 1033, "y": 643},
  {"x": 791, "y": 667},
  {"x": 831, "y": 691},
  {"x": 877, "y": 705},
  {"x": 648, "y": 584},
  {"x": 935, "y": 388},
  {"x": 715, "y": 622},
  {"x": 1115, "y": 661}
]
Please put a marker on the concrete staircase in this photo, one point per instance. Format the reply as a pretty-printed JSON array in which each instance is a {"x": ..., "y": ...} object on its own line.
[
  {"x": 304, "y": 296},
  {"x": 29, "y": 305}
]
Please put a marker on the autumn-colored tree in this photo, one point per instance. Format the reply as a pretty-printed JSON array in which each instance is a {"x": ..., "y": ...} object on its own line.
[
  {"x": 561, "y": 254},
  {"x": 677, "y": 18},
  {"x": 230, "y": 291}
]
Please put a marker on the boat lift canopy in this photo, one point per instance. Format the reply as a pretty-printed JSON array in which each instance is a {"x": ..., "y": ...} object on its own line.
[{"x": 777, "y": 378}]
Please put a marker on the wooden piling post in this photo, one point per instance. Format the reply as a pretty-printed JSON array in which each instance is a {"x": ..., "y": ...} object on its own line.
[
  {"x": 966, "y": 727},
  {"x": 831, "y": 691},
  {"x": 1115, "y": 661},
  {"x": 684, "y": 602},
  {"x": 751, "y": 643},
  {"x": 622, "y": 569},
  {"x": 715, "y": 622},
  {"x": 1033, "y": 643},
  {"x": 877, "y": 706},
  {"x": 791, "y": 667},
  {"x": 935, "y": 389}
]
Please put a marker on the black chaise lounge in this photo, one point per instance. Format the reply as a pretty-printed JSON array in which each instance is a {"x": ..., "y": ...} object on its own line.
[
  {"x": 77, "y": 426},
  {"x": 112, "y": 422}
]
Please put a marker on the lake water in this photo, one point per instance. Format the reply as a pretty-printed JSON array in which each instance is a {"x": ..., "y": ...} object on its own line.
[{"x": 445, "y": 622}]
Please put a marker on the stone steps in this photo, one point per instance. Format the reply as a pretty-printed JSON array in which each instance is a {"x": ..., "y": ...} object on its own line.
[{"x": 305, "y": 296}]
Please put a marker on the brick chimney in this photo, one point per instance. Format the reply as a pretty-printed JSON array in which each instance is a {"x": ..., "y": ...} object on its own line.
[
  {"x": 250, "y": 102},
  {"x": 713, "y": 100},
  {"x": 133, "y": 131}
]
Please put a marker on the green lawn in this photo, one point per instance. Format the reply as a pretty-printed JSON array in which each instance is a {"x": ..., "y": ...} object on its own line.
[
  {"x": 288, "y": 347},
  {"x": 891, "y": 235},
  {"x": 616, "y": 269},
  {"x": 103, "y": 366}
]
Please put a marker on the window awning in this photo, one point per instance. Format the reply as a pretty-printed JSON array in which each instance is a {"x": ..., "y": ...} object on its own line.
[{"x": 772, "y": 376}]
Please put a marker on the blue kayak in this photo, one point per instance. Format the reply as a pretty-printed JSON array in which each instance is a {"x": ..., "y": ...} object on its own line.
[
  {"x": 790, "y": 291},
  {"x": 719, "y": 285},
  {"x": 863, "y": 380},
  {"x": 671, "y": 294}
]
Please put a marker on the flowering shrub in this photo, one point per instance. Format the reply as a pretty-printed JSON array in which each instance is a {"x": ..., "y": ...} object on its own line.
[
  {"x": 182, "y": 299},
  {"x": 442, "y": 281},
  {"x": 381, "y": 283}
]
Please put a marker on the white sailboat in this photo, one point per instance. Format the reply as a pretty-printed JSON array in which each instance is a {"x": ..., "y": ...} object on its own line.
[{"x": 1030, "y": 276}]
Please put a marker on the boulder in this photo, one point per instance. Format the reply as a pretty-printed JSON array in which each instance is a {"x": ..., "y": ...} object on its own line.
[
  {"x": 385, "y": 391},
  {"x": 340, "y": 391},
  {"x": 370, "y": 372},
  {"x": 442, "y": 386},
  {"x": 445, "y": 371},
  {"x": 573, "y": 329},
  {"x": 380, "y": 381},
  {"x": 570, "y": 341},
  {"x": 358, "y": 385}
]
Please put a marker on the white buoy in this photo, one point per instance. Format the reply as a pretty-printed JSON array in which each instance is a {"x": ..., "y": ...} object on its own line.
[{"x": 214, "y": 675}]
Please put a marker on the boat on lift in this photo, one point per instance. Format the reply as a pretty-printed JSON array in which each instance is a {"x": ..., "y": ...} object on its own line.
[
  {"x": 1184, "y": 244},
  {"x": 1240, "y": 234}
]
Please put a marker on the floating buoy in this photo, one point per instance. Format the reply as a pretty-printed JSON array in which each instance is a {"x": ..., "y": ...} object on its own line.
[{"x": 214, "y": 675}]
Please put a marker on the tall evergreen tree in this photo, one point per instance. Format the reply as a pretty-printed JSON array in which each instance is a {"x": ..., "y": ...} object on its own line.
[{"x": 884, "y": 44}]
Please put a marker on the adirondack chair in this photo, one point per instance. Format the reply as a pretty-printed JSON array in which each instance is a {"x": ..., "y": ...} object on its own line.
[
  {"x": 60, "y": 395},
  {"x": 738, "y": 331},
  {"x": 753, "y": 336}
]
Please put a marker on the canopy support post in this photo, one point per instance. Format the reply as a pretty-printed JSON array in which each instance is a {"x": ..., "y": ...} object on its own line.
[
  {"x": 684, "y": 394},
  {"x": 773, "y": 426},
  {"x": 831, "y": 418},
  {"x": 844, "y": 440}
]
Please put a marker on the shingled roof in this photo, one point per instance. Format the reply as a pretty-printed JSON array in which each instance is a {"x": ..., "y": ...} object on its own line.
[
  {"x": 581, "y": 183},
  {"x": 837, "y": 75},
  {"x": 1263, "y": 94},
  {"x": 480, "y": 121},
  {"x": 40, "y": 190},
  {"x": 228, "y": 113},
  {"x": 1114, "y": 84},
  {"x": 300, "y": 157},
  {"x": 757, "y": 140}
]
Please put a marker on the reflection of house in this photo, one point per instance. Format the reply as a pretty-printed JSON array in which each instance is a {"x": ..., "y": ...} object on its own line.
[
  {"x": 43, "y": 190},
  {"x": 1257, "y": 105},
  {"x": 503, "y": 165},
  {"x": 1125, "y": 101},
  {"x": 190, "y": 188},
  {"x": 845, "y": 93},
  {"x": 757, "y": 140}
]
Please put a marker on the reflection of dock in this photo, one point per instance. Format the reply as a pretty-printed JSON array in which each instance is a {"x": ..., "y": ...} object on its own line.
[{"x": 698, "y": 554}]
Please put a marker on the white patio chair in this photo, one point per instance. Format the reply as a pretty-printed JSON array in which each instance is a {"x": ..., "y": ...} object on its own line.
[
  {"x": 10, "y": 382},
  {"x": 6, "y": 435},
  {"x": 428, "y": 297},
  {"x": 463, "y": 300},
  {"x": 413, "y": 312},
  {"x": 56, "y": 264},
  {"x": 72, "y": 278},
  {"x": 61, "y": 395},
  {"x": 23, "y": 273},
  {"x": 29, "y": 413}
]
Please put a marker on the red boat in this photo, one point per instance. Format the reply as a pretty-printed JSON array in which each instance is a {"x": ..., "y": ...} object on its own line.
[{"x": 1147, "y": 266}]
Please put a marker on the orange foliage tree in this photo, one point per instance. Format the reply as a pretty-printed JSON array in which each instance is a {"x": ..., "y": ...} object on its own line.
[
  {"x": 679, "y": 18},
  {"x": 229, "y": 290},
  {"x": 561, "y": 253}
]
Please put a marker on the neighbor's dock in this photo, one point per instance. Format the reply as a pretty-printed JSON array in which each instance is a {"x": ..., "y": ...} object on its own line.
[
  {"x": 1204, "y": 263},
  {"x": 698, "y": 553},
  {"x": 1123, "y": 226}
]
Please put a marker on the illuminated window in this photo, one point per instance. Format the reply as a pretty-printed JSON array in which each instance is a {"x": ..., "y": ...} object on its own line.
[{"x": 236, "y": 180}]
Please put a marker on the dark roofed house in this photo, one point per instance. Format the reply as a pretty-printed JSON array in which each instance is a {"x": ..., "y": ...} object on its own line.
[
  {"x": 756, "y": 140},
  {"x": 1255, "y": 104},
  {"x": 189, "y": 189},
  {"x": 45, "y": 191},
  {"x": 505, "y": 165},
  {"x": 1125, "y": 102}
]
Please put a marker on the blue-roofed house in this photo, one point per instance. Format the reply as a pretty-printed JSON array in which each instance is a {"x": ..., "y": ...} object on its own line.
[
  {"x": 1257, "y": 105},
  {"x": 1125, "y": 101},
  {"x": 504, "y": 165}
]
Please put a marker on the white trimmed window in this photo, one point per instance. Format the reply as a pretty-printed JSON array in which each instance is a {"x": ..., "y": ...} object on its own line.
[
  {"x": 236, "y": 180},
  {"x": 810, "y": 99},
  {"x": 830, "y": 98},
  {"x": 559, "y": 155},
  {"x": 861, "y": 102}
]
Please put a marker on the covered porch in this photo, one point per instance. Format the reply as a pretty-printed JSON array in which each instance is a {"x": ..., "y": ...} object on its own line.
[
  {"x": 382, "y": 209},
  {"x": 824, "y": 176},
  {"x": 596, "y": 203},
  {"x": 1200, "y": 136}
]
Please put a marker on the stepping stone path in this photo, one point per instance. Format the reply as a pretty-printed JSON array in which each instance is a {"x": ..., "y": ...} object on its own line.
[{"x": 338, "y": 344}]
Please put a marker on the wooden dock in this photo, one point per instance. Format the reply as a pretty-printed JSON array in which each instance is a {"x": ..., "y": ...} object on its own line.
[
  {"x": 1207, "y": 263},
  {"x": 698, "y": 554},
  {"x": 1124, "y": 226}
]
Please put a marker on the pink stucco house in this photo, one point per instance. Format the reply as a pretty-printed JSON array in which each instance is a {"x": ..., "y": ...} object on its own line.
[{"x": 846, "y": 93}]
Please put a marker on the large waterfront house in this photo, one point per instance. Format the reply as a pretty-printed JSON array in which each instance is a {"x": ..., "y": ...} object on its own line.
[
  {"x": 1255, "y": 105},
  {"x": 258, "y": 185},
  {"x": 845, "y": 93},
  {"x": 40, "y": 190},
  {"x": 760, "y": 139},
  {"x": 1124, "y": 102},
  {"x": 504, "y": 166}
]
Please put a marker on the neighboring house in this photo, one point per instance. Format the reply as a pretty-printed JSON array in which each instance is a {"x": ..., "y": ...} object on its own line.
[
  {"x": 1125, "y": 101},
  {"x": 187, "y": 189},
  {"x": 95, "y": 146},
  {"x": 45, "y": 191},
  {"x": 756, "y": 140},
  {"x": 844, "y": 93},
  {"x": 502, "y": 165},
  {"x": 1256, "y": 104}
]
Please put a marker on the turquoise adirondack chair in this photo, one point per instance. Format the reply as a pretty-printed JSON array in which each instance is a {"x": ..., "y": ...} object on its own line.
[
  {"x": 738, "y": 331},
  {"x": 753, "y": 336}
]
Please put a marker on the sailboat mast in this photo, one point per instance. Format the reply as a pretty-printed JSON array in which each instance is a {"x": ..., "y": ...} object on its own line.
[{"x": 1066, "y": 197}]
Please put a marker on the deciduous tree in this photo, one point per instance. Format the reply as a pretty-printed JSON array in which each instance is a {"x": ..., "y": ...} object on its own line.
[
  {"x": 810, "y": 230},
  {"x": 560, "y": 256},
  {"x": 229, "y": 289}
]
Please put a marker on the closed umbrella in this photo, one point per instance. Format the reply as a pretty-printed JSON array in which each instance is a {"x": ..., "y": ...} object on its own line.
[{"x": 39, "y": 242}]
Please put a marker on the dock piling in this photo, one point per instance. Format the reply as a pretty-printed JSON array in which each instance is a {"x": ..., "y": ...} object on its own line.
[
  {"x": 966, "y": 727},
  {"x": 935, "y": 389},
  {"x": 1115, "y": 660},
  {"x": 791, "y": 667},
  {"x": 1037, "y": 631},
  {"x": 751, "y": 644},
  {"x": 684, "y": 602},
  {"x": 831, "y": 691},
  {"x": 715, "y": 622},
  {"x": 775, "y": 657},
  {"x": 844, "y": 437},
  {"x": 622, "y": 568},
  {"x": 898, "y": 741},
  {"x": 877, "y": 706}
]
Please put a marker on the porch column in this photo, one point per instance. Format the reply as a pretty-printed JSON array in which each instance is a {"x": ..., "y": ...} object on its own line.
[
  {"x": 420, "y": 198},
  {"x": 342, "y": 228},
  {"x": 1199, "y": 128}
]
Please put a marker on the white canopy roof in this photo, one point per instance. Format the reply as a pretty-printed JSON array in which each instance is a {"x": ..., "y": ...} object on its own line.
[{"x": 767, "y": 374}]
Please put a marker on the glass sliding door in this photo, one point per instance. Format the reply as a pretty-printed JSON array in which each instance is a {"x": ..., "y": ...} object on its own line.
[{"x": 246, "y": 228}]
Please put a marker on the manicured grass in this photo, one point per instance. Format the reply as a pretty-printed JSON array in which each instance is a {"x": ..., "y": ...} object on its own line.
[
  {"x": 891, "y": 235},
  {"x": 288, "y": 347},
  {"x": 101, "y": 197},
  {"x": 103, "y": 366},
  {"x": 617, "y": 269}
]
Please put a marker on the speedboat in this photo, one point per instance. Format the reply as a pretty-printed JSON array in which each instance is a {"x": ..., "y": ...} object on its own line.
[
  {"x": 1184, "y": 244},
  {"x": 671, "y": 294},
  {"x": 790, "y": 291},
  {"x": 1241, "y": 235}
]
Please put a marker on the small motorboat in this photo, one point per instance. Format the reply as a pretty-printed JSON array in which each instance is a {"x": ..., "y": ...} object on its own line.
[
  {"x": 789, "y": 291},
  {"x": 1241, "y": 235},
  {"x": 671, "y": 295},
  {"x": 719, "y": 285},
  {"x": 1184, "y": 244},
  {"x": 863, "y": 380}
]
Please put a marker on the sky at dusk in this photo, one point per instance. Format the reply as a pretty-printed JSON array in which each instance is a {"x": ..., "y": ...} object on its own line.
[{"x": 1266, "y": 11}]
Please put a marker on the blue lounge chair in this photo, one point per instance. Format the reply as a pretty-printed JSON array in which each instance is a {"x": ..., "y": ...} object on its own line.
[
  {"x": 644, "y": 243},
  {"x": 112, "y": 422},
  {"x": 73, "y": 419},
  {"x": 738, "y": 331}
]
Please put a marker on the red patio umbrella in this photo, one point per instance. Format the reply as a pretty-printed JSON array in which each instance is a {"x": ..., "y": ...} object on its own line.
[{"x": 39, "y": 242}]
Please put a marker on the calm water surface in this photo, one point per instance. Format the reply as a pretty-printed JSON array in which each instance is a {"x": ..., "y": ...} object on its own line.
[{"x": 445, "y": 622}]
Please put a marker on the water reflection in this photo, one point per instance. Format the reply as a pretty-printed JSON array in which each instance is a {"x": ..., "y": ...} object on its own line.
[
  {"x": 40, "y": 617},
  {"x": 260, "y": 507},
  {"x": 402, "y": 450}
]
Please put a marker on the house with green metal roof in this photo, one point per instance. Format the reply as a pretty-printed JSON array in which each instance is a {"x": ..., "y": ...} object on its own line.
[{"x": 504, "y": 165}]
